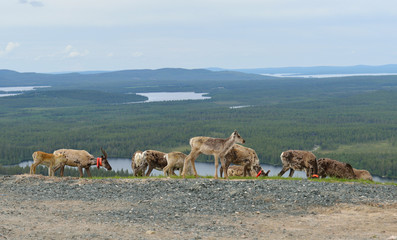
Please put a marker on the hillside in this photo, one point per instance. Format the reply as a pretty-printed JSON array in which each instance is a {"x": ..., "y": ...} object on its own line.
[
  {"x": 351, "y": 119},
  {"x": 119, "y": 79}
]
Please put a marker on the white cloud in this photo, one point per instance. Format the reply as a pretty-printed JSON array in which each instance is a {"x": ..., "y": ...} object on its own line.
[
  {"x": 78, "y": 54},
  {"x": 68, "y": 48},
  {"x": 9, "y": 48},
  {"x": 137, "y": 54},
  {"x": 71, "y": 52},
  {"x": 32, "y": 3}
]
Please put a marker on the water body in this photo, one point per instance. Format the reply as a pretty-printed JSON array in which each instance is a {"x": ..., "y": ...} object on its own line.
[
  {"x": 203, "y": 169},
  {"x": 12, "y": 91},
  {"x": 298, "y": 75},
  {"x": 173, "y": 96},
  {"x": 241, "y": 106}
]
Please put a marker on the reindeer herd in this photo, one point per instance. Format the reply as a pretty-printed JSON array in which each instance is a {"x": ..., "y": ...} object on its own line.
[{"x": 229, "y": 151}]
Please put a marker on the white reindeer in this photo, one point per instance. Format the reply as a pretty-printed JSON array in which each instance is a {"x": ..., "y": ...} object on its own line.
[{"x": 218, "y": 147}]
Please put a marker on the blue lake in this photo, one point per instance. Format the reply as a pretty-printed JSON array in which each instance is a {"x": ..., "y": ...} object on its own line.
[
  {"x": 172, "y": 96},
  {"x": 12, "y": 91}
]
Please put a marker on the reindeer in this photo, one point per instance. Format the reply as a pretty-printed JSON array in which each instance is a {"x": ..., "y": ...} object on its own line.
[
  {"x": 176, "y": 160},
  {"x": 362, "y": 174},
  {"x": 334, "y": 168},
  {"x": 211, "y": 146},
  {"x": 137, "y": 162},
  {"x": 48, "y": 159},
  {"x": 240, "y": 170},
  {"x": 244, "y": 156},
  {"x": 82, "y": 159},
  {"x": 298, "y": 160}
]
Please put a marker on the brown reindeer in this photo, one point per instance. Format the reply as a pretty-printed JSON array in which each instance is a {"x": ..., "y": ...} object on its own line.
[
  {"x": 243, "y": 156},
  {"x": 298, "y": 160},
  {"x": 154, "y": 160},
  {"x": 82, "y": 159},
  {"x": 333, "y": 168},
  {"x": 218, "y": 147}
]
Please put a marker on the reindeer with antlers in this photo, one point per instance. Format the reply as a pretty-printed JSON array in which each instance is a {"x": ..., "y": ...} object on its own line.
[{"x": 82, "y": 159}]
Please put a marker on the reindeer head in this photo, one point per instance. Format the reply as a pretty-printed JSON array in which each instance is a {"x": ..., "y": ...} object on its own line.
[
  {"x": 237, "y": 137},
  {"x": 259, "y": 170},
  {"x": 105, "y": 162},
  {"x": 61, "y": 157},
  {"x": 61, "y": 160}
]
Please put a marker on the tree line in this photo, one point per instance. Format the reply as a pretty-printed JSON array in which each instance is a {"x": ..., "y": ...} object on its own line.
[{"x": 324, "y": 113}]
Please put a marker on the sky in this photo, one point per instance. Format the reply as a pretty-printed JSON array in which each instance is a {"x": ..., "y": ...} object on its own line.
[{"x": 84, "y": 35}]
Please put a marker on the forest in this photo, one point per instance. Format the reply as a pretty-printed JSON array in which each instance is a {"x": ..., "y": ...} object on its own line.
[{"x": 350, "y": 119}]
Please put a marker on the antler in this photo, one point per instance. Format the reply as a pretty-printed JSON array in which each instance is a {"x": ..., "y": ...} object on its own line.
[{"x": 104, "y": 153}]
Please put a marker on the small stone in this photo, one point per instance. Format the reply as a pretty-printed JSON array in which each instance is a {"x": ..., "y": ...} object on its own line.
[{"x": 150, "y": 232}]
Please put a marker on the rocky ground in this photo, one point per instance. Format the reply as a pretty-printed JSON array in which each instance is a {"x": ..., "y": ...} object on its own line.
[{"x": 38, "y": 207}]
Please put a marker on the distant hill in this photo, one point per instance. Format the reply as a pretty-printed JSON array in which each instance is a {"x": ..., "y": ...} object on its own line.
[
  {"x": 359, "y": 69},
  {"x": 120, "y": 78}
]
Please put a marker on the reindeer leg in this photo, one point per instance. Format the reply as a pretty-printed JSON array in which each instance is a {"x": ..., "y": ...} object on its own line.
[
  {"x": 149, "y": 171},
  {"x": 62, "y": 170},
  {"x": 51, "y": 170},
  {"x": 283, "y": 171},
  {"x": 185, "y": 164},
  {"x": 58, "y": 167},
  {"x": 291, "y": 172},
  {"x": 33, "y": 168},
  {"x": 172, "y": 171},
  {"x": 222, "y": 158},
  {"x": 165, "y": 171},
  {"x": 246, "y": 170},
  {"x": 194, "y": 165},
  {"x": 227, "y": 165},
  {"x": 216, "y": 166},
  {"x": 191, "y": 157},
  {"x": 80, "y": 171},
  {"x": 88, "y": 171}
]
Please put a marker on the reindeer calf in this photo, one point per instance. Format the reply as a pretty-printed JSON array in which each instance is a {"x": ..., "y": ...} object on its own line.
[
  {"x": 176, "y": 160},
  {"x": 362, "y": 174},
  {"x": 333, "y": 168},
  {"x": 48, "y": 159},
  {"x": 240, "y": 170}
]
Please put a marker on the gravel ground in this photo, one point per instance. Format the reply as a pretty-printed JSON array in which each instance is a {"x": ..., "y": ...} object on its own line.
[{"x": 38, "y": 207}]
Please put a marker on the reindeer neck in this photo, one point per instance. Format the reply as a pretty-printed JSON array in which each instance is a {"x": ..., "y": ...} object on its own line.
[
  {"x": 229, "y": 142},
  {"x": 93, "y": 161}
]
